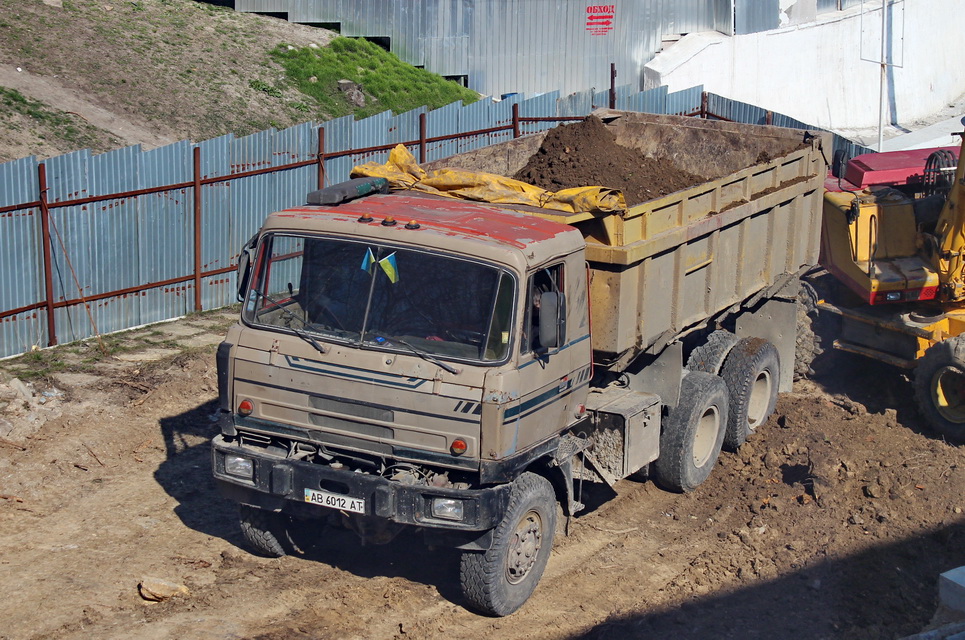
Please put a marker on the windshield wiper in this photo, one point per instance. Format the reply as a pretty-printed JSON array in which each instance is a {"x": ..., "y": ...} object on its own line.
[
  {"x": 428, "y": 357},
  {"x": 301, "y": 334},
  {"x": 419, "y": 352}
]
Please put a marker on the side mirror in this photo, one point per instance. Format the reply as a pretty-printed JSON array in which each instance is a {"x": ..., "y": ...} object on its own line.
[
  {"x": 839, "y": 163},
  {"x": 244, "y": 266},
  {"x": 552, "y": 320}
]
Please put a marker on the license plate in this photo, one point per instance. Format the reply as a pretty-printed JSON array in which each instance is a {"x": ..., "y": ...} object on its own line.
[{"x": 335, "y": 501}]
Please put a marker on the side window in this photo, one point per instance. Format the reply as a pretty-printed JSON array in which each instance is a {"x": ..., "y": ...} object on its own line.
[{"x": 545, "y": 280}]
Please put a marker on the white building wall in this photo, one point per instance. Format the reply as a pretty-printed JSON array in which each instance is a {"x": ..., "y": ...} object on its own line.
[{"x": 814, "y": 72}]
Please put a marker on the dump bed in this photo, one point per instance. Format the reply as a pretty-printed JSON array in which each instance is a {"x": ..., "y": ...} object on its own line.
[{"x": 668, "y": 264}]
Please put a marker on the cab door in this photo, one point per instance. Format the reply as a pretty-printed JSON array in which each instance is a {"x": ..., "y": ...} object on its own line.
[{"x": 553, "y": 371}]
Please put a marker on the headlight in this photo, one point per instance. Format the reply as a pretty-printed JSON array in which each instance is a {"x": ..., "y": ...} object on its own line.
[
  {"x": 238, "y": 466},
  {"x": 447, "y": 508}
]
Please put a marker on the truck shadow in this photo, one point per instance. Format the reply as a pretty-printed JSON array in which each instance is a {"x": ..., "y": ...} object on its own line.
[
  {"x": 186, "y": 475},
  {"x": 871, "y": 594}
]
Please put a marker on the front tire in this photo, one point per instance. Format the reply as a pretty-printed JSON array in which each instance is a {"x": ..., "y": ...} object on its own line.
[
  {"x": 940, "y": 388},
  {"x": 693, "y": 433},
  {"x": 498, "y": 581}
]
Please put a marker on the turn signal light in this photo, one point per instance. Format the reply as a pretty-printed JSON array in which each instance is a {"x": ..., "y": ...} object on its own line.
[
  {"x": 458, "y": 447},
  {"x": 245, "y": 407}
]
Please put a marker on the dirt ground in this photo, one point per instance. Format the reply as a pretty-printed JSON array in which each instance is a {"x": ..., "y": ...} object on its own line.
[
  {"x": 834, "y": 521},
  {"x": 586, "y": 153}
]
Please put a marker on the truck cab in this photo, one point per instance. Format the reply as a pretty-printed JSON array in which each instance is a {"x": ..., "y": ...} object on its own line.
[{"x": 399, "y": 358}]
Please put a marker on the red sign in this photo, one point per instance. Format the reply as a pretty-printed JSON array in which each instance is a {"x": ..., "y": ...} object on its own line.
[{"x": 600, "y": 18}]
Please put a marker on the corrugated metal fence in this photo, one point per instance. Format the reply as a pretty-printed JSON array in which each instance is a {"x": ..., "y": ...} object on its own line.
[{"x": 99, "y": 243}]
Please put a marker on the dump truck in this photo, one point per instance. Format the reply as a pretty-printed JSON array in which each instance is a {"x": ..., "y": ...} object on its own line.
[
  {"x": 411, "y": 360},
  {"x": 893, "y": 285}
]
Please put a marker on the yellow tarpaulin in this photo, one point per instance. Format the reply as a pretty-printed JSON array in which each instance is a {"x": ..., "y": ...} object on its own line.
[{"x": 404, "y": 173}]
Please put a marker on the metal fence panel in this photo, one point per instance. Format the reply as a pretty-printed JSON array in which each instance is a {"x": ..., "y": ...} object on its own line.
[
  {"x": 338, "y": 137},
  {"x": 575, "y": 104},
  {"x": 165, "y": 231},
  {"x": 473, "y": 117},
  {"x": 652, "y": 101},
  {"x": 444, "y": 122},
  {"x": 537, "y": 107},
  {"x": 686, "y": 101},
  {"x": 21, "y": 261}
]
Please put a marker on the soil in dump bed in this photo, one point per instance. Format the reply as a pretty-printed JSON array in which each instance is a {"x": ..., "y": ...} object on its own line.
[{"x": 586, "y": 154}]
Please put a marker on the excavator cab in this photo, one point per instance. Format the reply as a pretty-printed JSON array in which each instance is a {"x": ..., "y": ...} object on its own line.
[
  {"x": 870, "y": 243},
  {"x": 890, "y": 226}
]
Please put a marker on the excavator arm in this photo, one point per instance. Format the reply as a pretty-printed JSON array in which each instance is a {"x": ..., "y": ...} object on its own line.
[{"x": 949, "y": 260}]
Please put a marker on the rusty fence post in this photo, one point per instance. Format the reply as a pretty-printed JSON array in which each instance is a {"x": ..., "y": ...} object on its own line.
[
  {"x": 48, "y": 261},
  {"x": 613, "y": 85},
  {"x": 197, "y": 228},
  {"x": 423, "y": 126},
  {"x": 321, "y": 157},
  {"x": 516, "y": 132}
]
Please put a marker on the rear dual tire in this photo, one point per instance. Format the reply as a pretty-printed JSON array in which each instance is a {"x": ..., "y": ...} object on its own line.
[
  {"x": 693, "y": 433},
  {"x": 751, "y": 369},
  {"x": 752, "y": 373}
]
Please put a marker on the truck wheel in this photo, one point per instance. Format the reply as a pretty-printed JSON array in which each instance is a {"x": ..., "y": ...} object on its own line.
[
  {"x": 266, "y": 531},
  {"x": 693, "y": 433},
  {"x": 498, "y": 581},
  {"x": 940, "y": 388},
  {"x": 751, "y": 372},
  {"x": 709, "y": 357}
]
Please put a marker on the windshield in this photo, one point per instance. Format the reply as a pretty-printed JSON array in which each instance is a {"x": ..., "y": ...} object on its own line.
[{"x": 379, "y": 296}]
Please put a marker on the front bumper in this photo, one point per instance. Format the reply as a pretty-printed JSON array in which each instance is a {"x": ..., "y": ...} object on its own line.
[{"x": 280, "y": 484}]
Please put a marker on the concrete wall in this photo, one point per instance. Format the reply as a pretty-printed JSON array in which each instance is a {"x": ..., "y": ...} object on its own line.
[{"x": 814, "y": 72}]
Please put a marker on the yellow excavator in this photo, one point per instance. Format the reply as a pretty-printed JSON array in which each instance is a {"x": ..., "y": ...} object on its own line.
[{"x": 893, "y": 241}]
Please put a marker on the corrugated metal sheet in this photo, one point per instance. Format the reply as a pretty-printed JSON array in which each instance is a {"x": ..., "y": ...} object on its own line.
[
  {"x": 724, "y": 16},
  {"x": 165, "y": 231},
  {"x": 754, "y": 16},
  {"x": 21, "y": 262},
  {"x": 684, "y": 102}
]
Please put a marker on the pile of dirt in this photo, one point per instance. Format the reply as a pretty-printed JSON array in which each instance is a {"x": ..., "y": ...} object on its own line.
[{"x": 586, "y": 154}]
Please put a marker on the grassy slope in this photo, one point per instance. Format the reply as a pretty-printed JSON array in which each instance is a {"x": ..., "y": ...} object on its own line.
[{"x": 185, "y": 69}]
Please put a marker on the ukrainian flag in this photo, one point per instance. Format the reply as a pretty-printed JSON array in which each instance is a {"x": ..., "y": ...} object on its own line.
[
  {"x": 390, "y": 267},
  {"x": 368, "y": 261}
]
